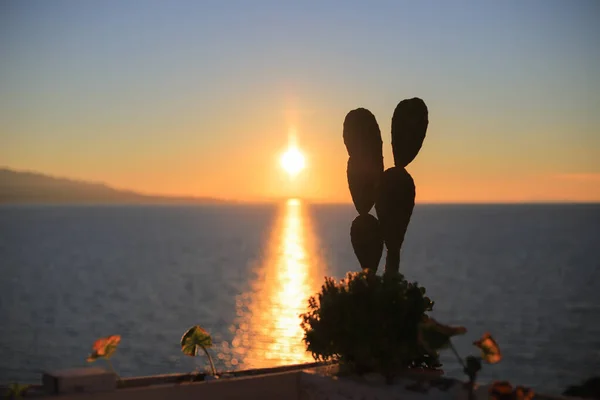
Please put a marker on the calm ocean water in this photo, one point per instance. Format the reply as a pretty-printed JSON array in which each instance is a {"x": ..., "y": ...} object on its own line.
[{"x": 529, "y": 274}]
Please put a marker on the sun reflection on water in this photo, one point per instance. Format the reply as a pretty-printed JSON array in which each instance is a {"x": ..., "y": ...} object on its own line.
[{"x": 267, "y": 332}]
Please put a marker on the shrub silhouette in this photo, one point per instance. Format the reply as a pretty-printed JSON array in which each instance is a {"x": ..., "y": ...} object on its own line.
[{"x": 369, "y": 323}]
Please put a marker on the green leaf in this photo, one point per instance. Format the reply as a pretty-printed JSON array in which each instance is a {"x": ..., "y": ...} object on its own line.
[{"x": 192, "y": 339}]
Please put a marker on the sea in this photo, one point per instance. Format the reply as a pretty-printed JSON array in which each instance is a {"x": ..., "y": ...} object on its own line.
[{"x": 528, "y": 274}]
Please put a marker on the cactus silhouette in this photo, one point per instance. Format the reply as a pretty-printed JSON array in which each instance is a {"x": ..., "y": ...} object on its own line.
[{"x": 393, "y": 191}]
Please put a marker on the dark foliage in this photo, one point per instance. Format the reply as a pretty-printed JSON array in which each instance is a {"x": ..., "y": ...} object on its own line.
[
  {"x": 369, "y": 323},
  {"x": 588, "y": 389}
]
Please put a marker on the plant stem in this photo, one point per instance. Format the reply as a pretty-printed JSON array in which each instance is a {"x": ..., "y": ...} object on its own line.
[
  {"x": 212, "y": 366},
  {"x": 471, "y": 388},
  {"x": 111, "y": 367},
  {"x": 457, "y": 355},
  {"x": 113, "y": 370},
  {"x": 392, "y": 261}
]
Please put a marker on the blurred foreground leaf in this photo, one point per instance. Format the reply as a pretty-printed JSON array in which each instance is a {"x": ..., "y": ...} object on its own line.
[
  {"x": 16, "y": 391},
  {"x": 435, "y": 336},
  {"x": 490, "y": 352},
  {"x": 523, "y": 393},
  {"x": 104, "y": 347}
]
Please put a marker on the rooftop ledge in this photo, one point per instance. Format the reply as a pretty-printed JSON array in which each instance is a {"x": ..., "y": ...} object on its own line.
[{"x": 314, "y": 381}]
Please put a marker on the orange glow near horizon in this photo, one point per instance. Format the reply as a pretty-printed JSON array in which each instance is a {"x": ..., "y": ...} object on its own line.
[
  {"x": 249, "y": 176},
  {"x": 249, "y": 170},
  {"x": 268, "y": 331}
]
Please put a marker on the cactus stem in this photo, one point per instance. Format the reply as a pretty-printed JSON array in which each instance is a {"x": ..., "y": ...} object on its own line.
[{"x": 392, "y": 260}]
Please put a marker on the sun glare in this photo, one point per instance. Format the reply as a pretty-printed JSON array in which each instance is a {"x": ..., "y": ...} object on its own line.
[{"x": 292, "y": 161}]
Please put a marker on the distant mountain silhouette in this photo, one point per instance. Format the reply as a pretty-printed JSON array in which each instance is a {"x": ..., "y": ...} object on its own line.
[{"x": 18, "y": 187}]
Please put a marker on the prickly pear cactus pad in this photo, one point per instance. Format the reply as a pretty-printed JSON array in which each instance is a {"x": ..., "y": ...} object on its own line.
[
  {"x": 362, "y": 136},
  {"x": 367, "y": 241},
  {"x": 409, "y": 126}
]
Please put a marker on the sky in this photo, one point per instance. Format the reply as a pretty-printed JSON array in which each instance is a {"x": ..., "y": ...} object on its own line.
[{"x": 200, "y": 98}]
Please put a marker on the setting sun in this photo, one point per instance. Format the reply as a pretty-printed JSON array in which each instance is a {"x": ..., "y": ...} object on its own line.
[{"x": 292, "y": 161}]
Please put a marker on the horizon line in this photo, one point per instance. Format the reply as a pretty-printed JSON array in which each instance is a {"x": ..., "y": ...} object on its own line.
[{"x": 255, "y": 200}]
